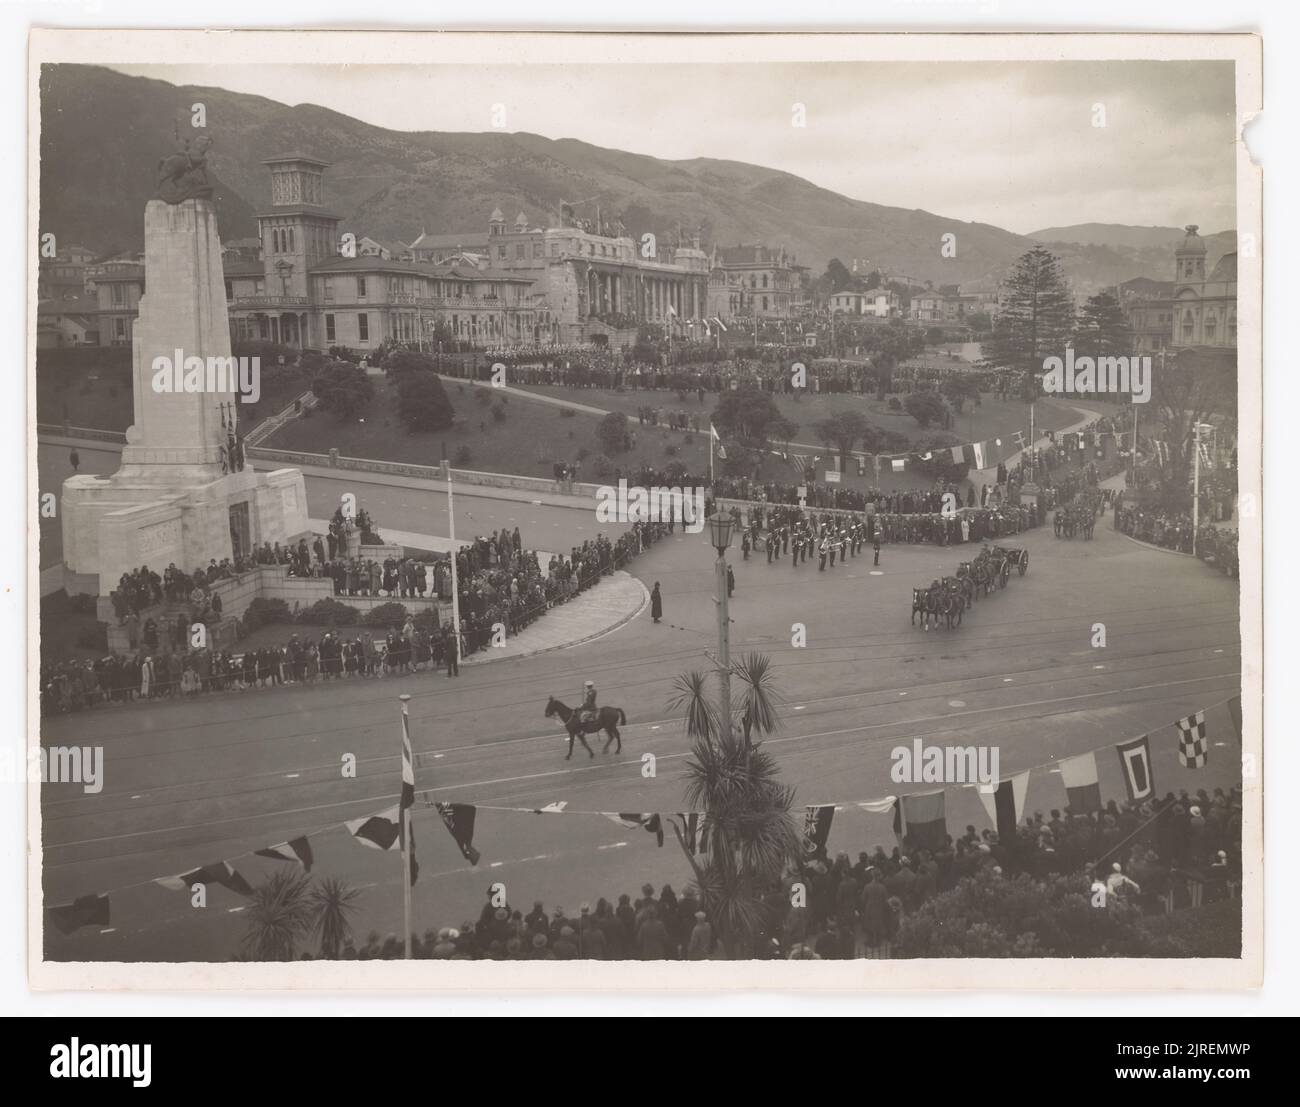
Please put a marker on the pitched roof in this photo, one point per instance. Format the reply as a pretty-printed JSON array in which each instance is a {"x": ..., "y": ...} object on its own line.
[{"x": 1225, "y": 269}]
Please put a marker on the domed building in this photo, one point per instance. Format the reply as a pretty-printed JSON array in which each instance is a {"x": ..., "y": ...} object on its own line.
[{"x": 1204, "y": 307}]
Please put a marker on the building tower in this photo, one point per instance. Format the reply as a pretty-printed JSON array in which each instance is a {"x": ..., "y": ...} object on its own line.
[
  {"x": 1189, "y": 258},
  {"x": 496, "y": 223},
  {"x": 297, "y": 233}
]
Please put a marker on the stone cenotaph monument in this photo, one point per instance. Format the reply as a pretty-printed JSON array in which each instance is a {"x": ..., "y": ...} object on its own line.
[{"x": 183, "y": 493}]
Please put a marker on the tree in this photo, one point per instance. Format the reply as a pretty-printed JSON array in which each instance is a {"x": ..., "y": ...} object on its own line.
[
  {"x": 991, "y": 916},
  {"x": 1187, "y": 388},
  {"x": 925, "y": 407},
  {"x": 612, "y": 432},
  {"x": 422, "y": 402},
  {"x": 1101, "y": 329},
  {"x": 842, "y": 431},
  {"x": 751, "y": 417},
  {"x": 750, "y": 831},
  {"x": 333, "y": 903},
  {"x": 957, "y": 390},
  {"x": 279, "y": 917},
  {"x": 406, "y": 361},
  {"x": 342, "y": 389},
  {"x": 887, "y": 346},
  {"x": 1036, "y": 320}
]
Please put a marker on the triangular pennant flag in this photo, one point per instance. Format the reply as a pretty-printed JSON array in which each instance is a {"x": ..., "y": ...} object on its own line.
[
  {"x": 1079, "y": 775},
  {"x": 1193, "y": 745},
  {"x": 923, "y": 820},
  {"x": 298, "y": 849},
  {"x": 459, "y": 820},
  {"x": 379, "y": 831},
  {"x": 817, "y": 828},
  {"x": 633, "y": 819},
  {"x": 220, "y": 872},
  {"x": 92, "y": 910},
  {"x": 1135, "y": 760}
]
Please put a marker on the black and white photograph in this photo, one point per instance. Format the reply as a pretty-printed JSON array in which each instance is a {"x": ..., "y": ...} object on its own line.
[{"x": 514, "y": 502}]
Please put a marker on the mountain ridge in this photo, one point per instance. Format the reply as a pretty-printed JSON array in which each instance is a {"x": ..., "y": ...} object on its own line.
[{"x": 110, "y": 128}]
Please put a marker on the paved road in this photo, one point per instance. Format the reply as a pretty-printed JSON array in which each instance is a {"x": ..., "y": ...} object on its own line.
[{"x": 193, "y": 783}]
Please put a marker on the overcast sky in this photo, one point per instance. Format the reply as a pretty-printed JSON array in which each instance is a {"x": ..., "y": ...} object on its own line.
[{"x": 1012, "y": 144}]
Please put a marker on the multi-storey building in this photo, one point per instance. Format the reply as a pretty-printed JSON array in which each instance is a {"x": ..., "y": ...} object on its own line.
[
  {"x": 1194, "y": 310},
  {"x": 882, "y": 303},
  {"x": 755, "y": 281}
]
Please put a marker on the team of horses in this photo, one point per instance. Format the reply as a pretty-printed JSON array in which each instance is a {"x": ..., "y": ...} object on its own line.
[{"x": 945, "y": 601}]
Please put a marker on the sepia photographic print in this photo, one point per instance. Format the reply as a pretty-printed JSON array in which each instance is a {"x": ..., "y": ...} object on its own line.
[{"x": 662, "y": 511}]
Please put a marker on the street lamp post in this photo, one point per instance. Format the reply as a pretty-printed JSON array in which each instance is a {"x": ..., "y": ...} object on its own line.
[{"x": 720, "y": 528}]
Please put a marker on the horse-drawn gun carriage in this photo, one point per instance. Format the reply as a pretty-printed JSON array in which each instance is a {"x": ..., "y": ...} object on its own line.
[{"x": 948, "y": 599}]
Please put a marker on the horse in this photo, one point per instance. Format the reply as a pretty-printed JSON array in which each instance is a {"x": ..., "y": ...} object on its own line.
[
  {"x": 952, "y": 602},
  {"x": 918, "y": 604},
  {"x": 607, "y": 719}
]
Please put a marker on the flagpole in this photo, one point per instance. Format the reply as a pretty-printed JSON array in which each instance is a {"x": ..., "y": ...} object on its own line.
[{"x": 406, "y": 837}]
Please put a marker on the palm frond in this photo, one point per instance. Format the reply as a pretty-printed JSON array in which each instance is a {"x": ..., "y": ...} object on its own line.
[
  {"x": 332, "y": 904},
  {"x": 757, "y": 697},
  {"x": 692, "y": 702},
  {"x": 279, "y": 917}
]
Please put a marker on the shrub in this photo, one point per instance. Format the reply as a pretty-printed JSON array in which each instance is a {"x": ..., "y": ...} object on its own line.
[
  {"x": 602, "y": 466},
  {"x": 895, "y": 404},
  {"x": 464, "y": 457},
  {"x": 261, "y": 612},
  {"x": 612, "y": 432},
  {"x": 583, "y": 453},
  {"x": 422, "y": 402},
  {"x": 386, "y": 615},
  {"x": 329, "y": 612},
  {"x": 567, "y": 413},
  {"x": 670, "y": 450}
]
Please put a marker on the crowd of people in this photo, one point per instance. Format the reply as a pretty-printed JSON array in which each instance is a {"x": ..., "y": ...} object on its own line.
[
  {"x": 1160, "y": 855},
  {"x": 502, "y": 588}
]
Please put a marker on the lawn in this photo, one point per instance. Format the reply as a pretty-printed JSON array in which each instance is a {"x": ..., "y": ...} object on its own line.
[
  {"x": 530, "y": 440},
  {"x": 534, "y": 435},
  {"x": 992, "y": 419}
]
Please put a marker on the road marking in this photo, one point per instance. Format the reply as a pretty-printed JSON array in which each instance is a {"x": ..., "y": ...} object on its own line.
[
  {"x": 613, "y": 845},
  {"x": 1006, "y": 680},
  {"x": 956, "y": 703},
  {"x": 877, "y": 573},
  {"x": 292, "y": 776},
  {"x": 242, "y": 820}
]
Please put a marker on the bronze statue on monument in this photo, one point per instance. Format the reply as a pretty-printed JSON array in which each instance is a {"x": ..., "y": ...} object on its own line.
[{"x": 184, "y": 175}]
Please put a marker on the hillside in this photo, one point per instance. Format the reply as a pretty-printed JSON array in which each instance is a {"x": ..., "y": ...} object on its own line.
[{"x": 103, "y": 133}]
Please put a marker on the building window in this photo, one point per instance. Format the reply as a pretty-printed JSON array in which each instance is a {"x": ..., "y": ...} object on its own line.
[
  {"x": 537, "y": 249},
  {"x": 519, "y": 251},
  {"x": 329, "y": 328},
  {"x": 363, "y": 327},
  {"x": 230, "y": 290},
  {"x": 291, "y": 240},
  {"x": 361, "y": 288},
  {"x": 119, "y": 330},
  {"x": 327, "y": 289}
]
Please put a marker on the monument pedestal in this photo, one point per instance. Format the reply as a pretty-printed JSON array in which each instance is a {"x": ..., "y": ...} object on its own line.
[{"x": 182, "y": 494}]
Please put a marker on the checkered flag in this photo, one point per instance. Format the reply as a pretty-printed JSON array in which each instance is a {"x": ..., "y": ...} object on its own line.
[{"x": 1193, "y": 746}]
